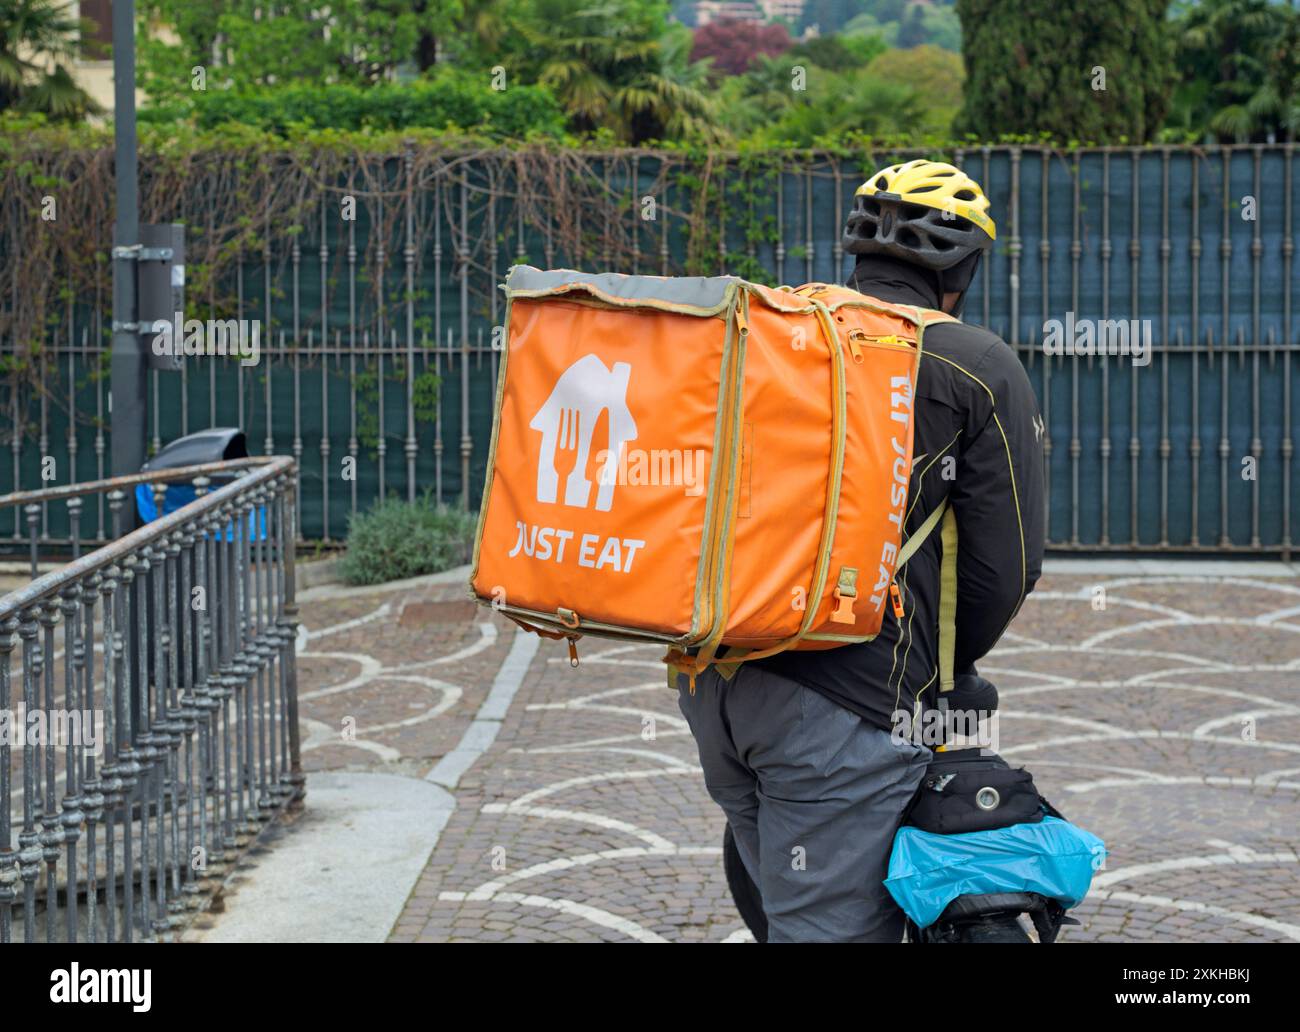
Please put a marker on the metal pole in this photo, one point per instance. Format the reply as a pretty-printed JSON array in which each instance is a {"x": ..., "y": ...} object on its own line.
[{"x": 127, "y": 400}]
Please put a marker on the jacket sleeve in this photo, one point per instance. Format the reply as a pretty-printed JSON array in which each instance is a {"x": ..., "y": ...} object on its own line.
[{"x": 997, "y": 496}]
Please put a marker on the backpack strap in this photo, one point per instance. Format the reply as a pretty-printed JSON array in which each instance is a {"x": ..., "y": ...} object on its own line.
[
  {"x": 910, "y": 546},
  {"x": 948, "y": 602},
  {"x": 930, "y": 316},
  {"x": 942, "y": 514},
  {"x": 948, "y": 564}
]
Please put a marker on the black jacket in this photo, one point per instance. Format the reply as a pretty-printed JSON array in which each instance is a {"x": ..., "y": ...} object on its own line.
[{"x": 977, "y": 424}]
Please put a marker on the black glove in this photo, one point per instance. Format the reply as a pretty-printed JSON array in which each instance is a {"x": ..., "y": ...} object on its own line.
[{"x": 971, "y": 692}]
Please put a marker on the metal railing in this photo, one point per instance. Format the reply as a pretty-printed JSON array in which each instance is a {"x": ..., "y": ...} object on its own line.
[{"x": 144, "y": 751}]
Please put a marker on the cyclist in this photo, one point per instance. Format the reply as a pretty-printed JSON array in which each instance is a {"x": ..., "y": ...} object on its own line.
[{"x": 800, "y": 749}]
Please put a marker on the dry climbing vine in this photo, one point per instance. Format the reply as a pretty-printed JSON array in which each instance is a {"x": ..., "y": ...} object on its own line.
[{"x": 255, "y": 202}]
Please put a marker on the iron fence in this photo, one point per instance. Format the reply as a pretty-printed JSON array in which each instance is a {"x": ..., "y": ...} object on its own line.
[
  {"x": 378, "y": 360},
  {"x": 151, "y": 725}
]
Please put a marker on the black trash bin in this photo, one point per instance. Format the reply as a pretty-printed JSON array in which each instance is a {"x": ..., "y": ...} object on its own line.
[
  {"x": 215, "y": 445},
  {"x": 205, "y": 446}
]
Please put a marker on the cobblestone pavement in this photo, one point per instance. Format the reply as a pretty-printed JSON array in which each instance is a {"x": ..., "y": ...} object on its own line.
[
  {"x": 1162, "y": 713},
  {"x": 389, "y": 678}
]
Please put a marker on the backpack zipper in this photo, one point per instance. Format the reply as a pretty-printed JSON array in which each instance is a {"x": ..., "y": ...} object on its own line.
[{"x": 856, "y": 335}]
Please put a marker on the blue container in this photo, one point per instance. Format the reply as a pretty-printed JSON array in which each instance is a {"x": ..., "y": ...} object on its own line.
[
  {"x": 1051, "y": 857},
  {"x": 178, "y": 495}
]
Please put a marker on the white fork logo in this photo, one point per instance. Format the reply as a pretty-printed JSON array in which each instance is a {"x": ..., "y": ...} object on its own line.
[{"x": 567, "y": 420}]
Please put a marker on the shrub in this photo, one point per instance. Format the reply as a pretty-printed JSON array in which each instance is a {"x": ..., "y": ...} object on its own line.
[
  {"x": 447, "y": 100},
  {"x": 398, "y": 539}
]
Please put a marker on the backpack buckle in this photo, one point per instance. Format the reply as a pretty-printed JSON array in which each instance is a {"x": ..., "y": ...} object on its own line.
[{"x": 846, "y": 591}]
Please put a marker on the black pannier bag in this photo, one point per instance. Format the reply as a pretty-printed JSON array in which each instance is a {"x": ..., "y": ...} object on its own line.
[{"x": 969, "y": 790}]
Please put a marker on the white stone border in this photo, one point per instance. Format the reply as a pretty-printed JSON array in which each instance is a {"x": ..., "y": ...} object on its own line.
[{"x": 485, "y": 727}]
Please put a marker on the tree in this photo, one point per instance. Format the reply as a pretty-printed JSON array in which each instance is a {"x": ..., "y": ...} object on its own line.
[
  {"x": 606, "y": 64},
  {"x": 911, "y": 30},
  {"x": 734, "y": 46},
  {"x": 908, "y": 23},
  {"x": 764, "y": 106},
  {"x": 934, "y": 74},
  {"x": 615, "y": 66},
  {"x": 36, "y": 38},
  {"x": 1098, "y": 71},
  {"x": 242, "y": 43},
  {"x": 831, "y": 16},
  {"x": 845, "y": 104},
  {"x": 1238, "y": 64},
  {"x": 866, "y": 24},
  {"x": 839, "y": 53},
  {"x": 942, "y": 27},
  {"x": 484, "y": 35}
]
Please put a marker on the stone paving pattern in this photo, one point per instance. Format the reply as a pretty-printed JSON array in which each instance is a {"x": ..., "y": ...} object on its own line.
[{"x": 1167, "y": 721}]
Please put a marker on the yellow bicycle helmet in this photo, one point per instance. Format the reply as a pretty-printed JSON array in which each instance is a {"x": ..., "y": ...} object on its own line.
[{"x": 926, "y": 212}]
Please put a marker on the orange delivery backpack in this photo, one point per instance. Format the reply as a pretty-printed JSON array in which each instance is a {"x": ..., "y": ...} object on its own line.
[{"x": 699, "y": 462}]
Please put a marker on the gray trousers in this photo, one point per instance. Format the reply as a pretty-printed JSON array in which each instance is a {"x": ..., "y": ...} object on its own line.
[{"x": 813, "y": 794}]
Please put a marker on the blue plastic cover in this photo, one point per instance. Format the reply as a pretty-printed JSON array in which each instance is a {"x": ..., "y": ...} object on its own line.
[
  {"x": 178, "y": 495},
  {"x": 1051, "y": 857},
  {"x": 175, "y": 496}
]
